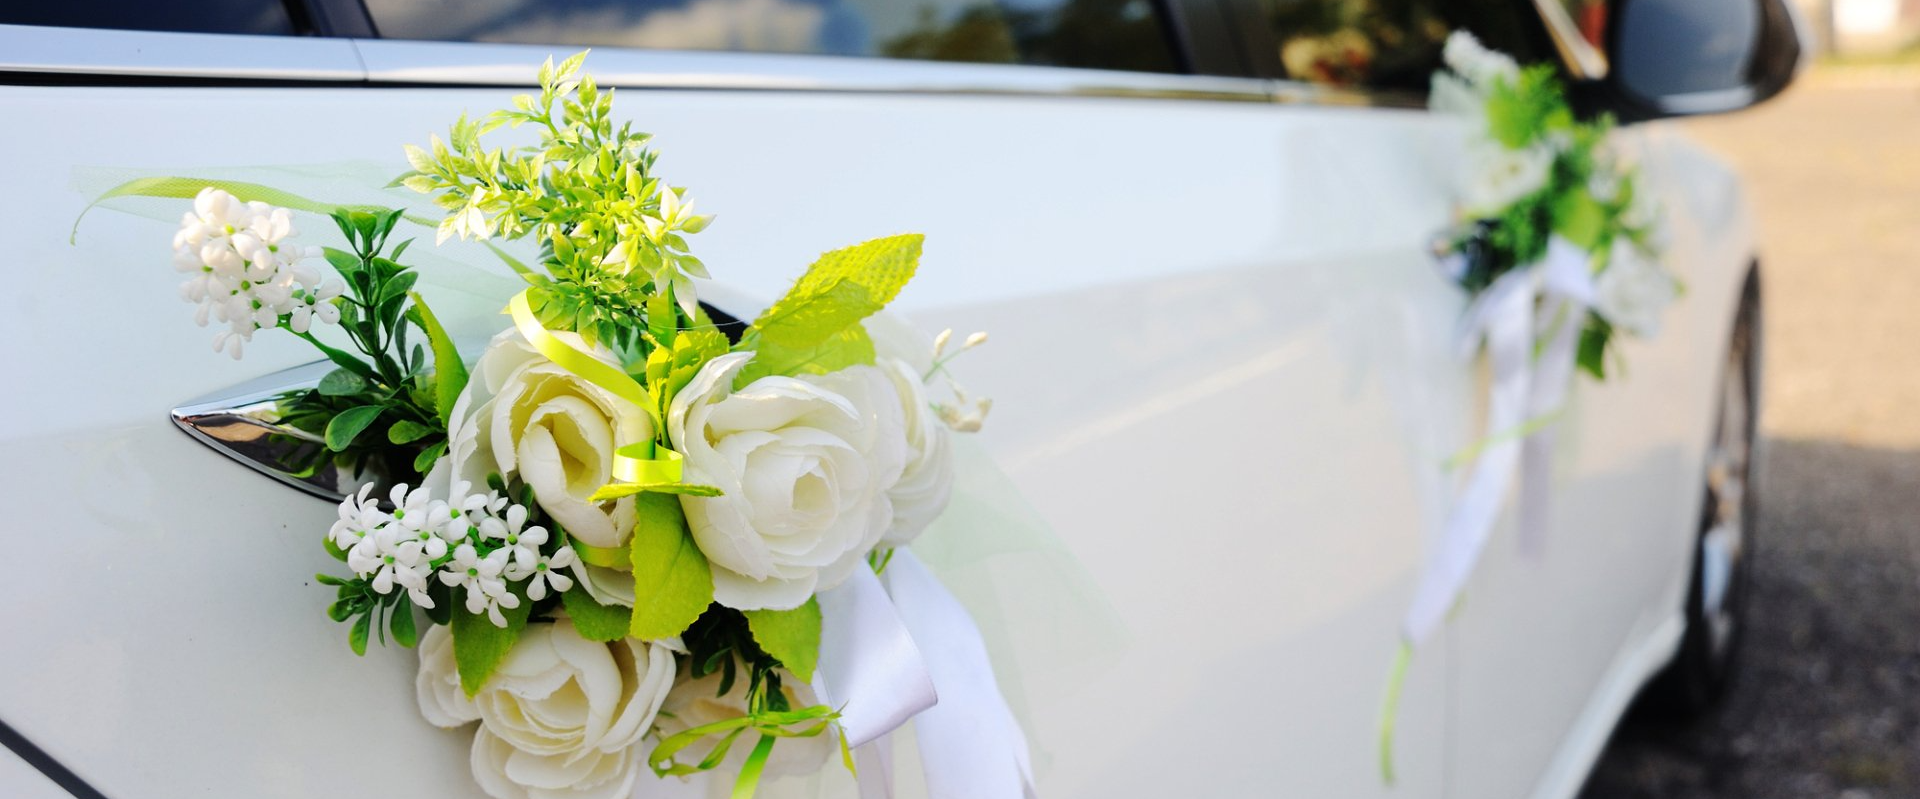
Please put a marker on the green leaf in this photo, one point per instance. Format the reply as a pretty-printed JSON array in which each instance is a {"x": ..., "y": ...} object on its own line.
[
  {"x": 442, "y": 596},
  {"x": 449, "y": 372},
  {"x": 479, "y": 647},
  {"x": 401, "y": 624},
  {"x": 348, "y": 424},
  {"x": 1579, "y": 219},
  {"x": 596, "y": 622},
  {"x": 849, "y": 347},
  {"x": 357, "y": 637},
  {"x": 407, "y": 431},
  {"x": 423, "y": 462},
  {"x": 672, "y": 583},
  {"x": 670, "y": 369},
  {"x": 790, "y": 636},
  {"x": 842, "y": 288},
  {"x": 341, "y": 383},
  {"x": 1593, "y": 347}
]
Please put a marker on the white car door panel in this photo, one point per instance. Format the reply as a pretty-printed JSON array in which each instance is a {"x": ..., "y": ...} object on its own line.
[{"x": 1224, "y": 373}]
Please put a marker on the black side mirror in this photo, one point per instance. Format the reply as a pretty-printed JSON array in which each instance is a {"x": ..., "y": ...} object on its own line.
[{"x": 1682, "y": 57}]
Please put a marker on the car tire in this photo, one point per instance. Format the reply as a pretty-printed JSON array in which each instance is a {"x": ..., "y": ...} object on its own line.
[{"x": 1723, "y": 551}]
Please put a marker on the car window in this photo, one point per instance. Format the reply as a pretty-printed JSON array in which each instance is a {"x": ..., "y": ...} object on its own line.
[
  {"x": 266, "y": 17},
  {"x": 1101, "y": 34},
  {"x": 1388, "y": 44}
]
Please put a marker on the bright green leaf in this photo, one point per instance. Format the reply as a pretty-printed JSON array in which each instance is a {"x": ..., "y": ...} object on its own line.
[
  {"x": 672, "y": 583},
  {"x": 842, "y": 288},
  {"x": 479, "y": 647},
  {"x": 596, "y": 622},
  {"x": 348, "y": 424},
  {"x": 790, "y": 636},
  {"x": 849, "y": 347}
]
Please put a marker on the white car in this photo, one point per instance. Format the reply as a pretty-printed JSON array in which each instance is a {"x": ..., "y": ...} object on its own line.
[{"x": 1223, "y": 358}]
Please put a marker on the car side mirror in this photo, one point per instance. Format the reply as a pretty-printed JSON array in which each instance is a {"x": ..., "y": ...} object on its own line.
[{"x": 1683, "y": 57}]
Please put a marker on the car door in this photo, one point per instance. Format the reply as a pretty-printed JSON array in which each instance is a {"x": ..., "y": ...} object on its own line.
[{"x": 1221, "y": 355}]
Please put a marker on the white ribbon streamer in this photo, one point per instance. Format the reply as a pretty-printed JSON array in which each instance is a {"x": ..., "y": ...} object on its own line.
[
  {"x": 971, "y": 747},
  {"x": 908, "y": 650},
  {"x": 870, "y": 668},
  {"x": 1567, "y": 291},
  {"x": 1503, "y": 317},
  {"x": 1527, "y": 386}
]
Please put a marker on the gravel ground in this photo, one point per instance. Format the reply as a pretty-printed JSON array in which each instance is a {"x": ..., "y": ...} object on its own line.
[{"x": 1828, "y": 701}]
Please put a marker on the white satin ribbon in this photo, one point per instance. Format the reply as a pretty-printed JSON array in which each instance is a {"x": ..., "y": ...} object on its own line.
[
  {"x": 1523, "y": 390},
  {"x": 908, "y": 650},
  {"x": 870, "y": 668},
  {"x": 1502, "y": 316},
  {"x": 971, "y": 747},
  {"x": 1566, "y": 293}
]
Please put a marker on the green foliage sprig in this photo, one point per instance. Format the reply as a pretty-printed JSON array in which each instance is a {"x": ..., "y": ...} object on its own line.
[{"x": 611, "y": 235}]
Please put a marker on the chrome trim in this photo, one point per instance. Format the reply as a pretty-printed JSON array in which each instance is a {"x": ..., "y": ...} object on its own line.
[
  {"x": 87, "y": 51},
  {"x": 1585, "y": 60},
  {"x": 243, "y": 423},
  {"x": 397, "y": 62},
  {"x": 414, "y": 62}
]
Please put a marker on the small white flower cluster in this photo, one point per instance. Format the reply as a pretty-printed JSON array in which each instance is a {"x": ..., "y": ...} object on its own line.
[
  {"x": 477, "y": 542},
  {"x": 1468, "y": 58},
  {"x": 246, "y": 272},
  {"x": 965, "y": 414}
]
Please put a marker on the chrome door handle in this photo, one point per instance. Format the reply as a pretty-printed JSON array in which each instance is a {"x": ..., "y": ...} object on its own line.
[{"x": 243, "y": 423}]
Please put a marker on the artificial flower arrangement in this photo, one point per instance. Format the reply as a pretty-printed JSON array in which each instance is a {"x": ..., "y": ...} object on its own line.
[
  {"x": 1559, "y": 250},
  {"x": 622, "y": 522}
]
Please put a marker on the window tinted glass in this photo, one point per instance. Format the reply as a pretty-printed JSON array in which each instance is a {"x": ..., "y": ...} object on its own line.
[
  {"x": 1387, "y": 44},
  {"x": 1106, "y": 34},
  {"x": 201, "y": 16}
]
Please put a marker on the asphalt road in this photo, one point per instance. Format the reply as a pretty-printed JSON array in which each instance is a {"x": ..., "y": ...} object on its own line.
[{"x": 1827, "y": 705}]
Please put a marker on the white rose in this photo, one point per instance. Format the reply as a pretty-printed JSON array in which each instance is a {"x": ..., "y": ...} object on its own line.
[
  {"x": 561, "y": 717},
  {"x": 1495, "y": 177},
  {"x": 1633, "y": 291},
  {"x": 508, "y": 773},
  {"x": 926, "y": 483},
  {"x": 695, "y": 703},
  {"x": 906, "y": 355},
  {"x": 804, "y": 464},
  {"x": 524, "y": 415},
  {"x": 442, "y": 702}
]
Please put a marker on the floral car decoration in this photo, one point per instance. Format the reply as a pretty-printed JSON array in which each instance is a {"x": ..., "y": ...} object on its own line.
[
  {"x": 622, "y": 521},
  {"x": 1558, "y": 248}
]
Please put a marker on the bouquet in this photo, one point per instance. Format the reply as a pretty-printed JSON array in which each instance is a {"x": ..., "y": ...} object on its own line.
[
  {"x": 1558, "y": 248},
  {"x": 629, "y": 525}
]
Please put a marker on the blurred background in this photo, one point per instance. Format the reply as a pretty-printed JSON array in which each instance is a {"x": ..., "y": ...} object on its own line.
[{"x": 1828, "y": 701}]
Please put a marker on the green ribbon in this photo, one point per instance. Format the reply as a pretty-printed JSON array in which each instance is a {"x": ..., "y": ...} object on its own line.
[
  {"x": 186, "y": 188},
  {"x": 1521, "y": 430},
  {"x": 1390, "y": 708},
  {"x": 770, "y": 725},
  {"x": 640, "y": 466}
]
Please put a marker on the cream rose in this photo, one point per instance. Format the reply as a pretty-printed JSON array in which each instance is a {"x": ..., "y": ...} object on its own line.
[
  {"x": 562, "y": 716},
  {"x": 524, "y": 415},
  {"x": 695, "y": 703},
  {"x": 804, "y": 464},
  {"x": 1496, "y": 177},
  {"x": 925, "y": 485},
  {"x": 1633, "y": 291}
]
